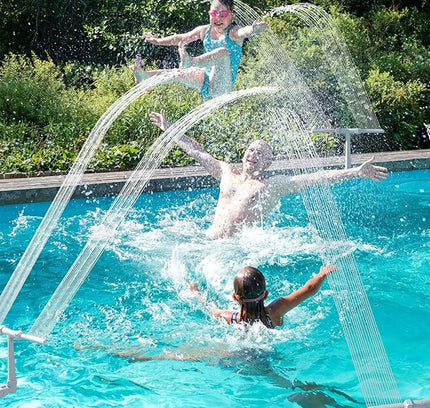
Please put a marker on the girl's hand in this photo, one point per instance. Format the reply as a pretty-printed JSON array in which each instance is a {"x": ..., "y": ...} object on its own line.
[
  {"x": 259, "y": 26},
  {"x": 327, "y": 270},
  {"x": 150, "y": 38}
]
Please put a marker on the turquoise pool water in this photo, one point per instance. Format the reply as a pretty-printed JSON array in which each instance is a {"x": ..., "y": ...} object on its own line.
[{"x": 136, "y": 298}]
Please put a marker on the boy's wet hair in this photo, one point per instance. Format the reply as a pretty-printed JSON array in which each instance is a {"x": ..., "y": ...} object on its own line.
[{"x": 227, "y": 3}]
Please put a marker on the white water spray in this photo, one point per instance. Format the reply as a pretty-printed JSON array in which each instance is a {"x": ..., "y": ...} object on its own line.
[
  {"x": 73, "y": 178},
  {"x": 292, "y": 124},
  {"x": 338, "y": 61},
  {"x": 119, "y": 209},
  {"x": 359, "y": 326}
]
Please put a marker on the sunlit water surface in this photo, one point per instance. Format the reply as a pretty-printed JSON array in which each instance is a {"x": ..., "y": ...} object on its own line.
[{"x": 136, "y": 300}]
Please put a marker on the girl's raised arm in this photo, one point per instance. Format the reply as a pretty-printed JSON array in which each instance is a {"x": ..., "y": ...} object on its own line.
[
  {"x": 241, "y": 33},
  {"x": 282, "y": 305},
  {"x": 176, "y": 39}
]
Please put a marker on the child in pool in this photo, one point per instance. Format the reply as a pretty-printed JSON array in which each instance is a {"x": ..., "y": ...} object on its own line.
[
  {"x": 250, "y": 293},
  {"x": 214, "y": 72}
]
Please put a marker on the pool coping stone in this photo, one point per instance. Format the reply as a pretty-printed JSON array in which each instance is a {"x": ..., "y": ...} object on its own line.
[{"x": 14, "y": 190}]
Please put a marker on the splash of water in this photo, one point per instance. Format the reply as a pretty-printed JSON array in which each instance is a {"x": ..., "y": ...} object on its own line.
[
  {"x": 73, "y": 178},
  {"x": 359, "y": 326},
  {"x": 119, "y": 209},
  {"x": 291, "y": 126},
  {"x": 338, "y": 61},
  {"x": 276, "y": 68}
]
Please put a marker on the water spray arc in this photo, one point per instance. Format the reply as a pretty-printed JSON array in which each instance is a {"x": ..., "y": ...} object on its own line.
[
  {"x": 119, "y": 209},
  {"x": 73, "y": 178},
  {"x": 339, "y": 61},
  {"x": 367, "y": 351},
  {"x": 358, "y": 323}
]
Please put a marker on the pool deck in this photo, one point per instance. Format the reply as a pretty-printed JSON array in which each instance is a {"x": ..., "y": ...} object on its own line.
[{"x": 17, "y": 189}]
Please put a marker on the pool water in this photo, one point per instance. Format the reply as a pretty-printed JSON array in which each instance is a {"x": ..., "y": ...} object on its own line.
[{"x": 136, "y": 299}]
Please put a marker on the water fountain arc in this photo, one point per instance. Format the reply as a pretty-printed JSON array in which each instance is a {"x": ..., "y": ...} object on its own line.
[
  {"x": 59, "y": 203},
  {"x": 119, "y": 209}
]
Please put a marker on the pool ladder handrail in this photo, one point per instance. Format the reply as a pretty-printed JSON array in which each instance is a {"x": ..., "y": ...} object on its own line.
[
  {"x": 347, "y": 132},
  {"x": 10, "y": 386},
  {"x": 425, "y": 403}
]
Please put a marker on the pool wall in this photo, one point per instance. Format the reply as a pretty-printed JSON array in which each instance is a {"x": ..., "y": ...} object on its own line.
[{"x": 20, "y": 189}]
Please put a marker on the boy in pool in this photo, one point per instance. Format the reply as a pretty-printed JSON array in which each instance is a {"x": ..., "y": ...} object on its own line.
[
  {"x": 246, "y": 196},
  {"x": 214, "y": 72}
]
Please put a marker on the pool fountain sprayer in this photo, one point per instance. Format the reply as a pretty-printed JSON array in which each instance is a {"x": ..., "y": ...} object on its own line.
[
  {"x": 121, "y": 206},
  {"x": 295, "y": 111}
]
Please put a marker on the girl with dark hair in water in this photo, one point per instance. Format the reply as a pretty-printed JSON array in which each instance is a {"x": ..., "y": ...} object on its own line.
[{"x": 250, "y": 293}]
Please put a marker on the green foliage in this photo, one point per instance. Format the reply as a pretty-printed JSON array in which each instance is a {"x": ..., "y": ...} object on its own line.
[
  {"x": 118, "y": 30},
  {"x": 399, "y": 106},
  {"x": 324, "y": 142},
  {"x": 44, "y": 123},
  {"x": 61, "y": 68},
  {"x": 27, "y": 149},
  {"x": 47, "y": 27},
  {"x": 30, "y": 90},
  {"x": 119, "y": 157}
]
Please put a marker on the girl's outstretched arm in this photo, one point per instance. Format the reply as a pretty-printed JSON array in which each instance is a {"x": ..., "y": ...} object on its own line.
[
  {"x": 176, "y": 39},
  {"x": 241, "y": 33},
  {"x": 282, "y": 305},
  {"x": 218, "y": 313}
]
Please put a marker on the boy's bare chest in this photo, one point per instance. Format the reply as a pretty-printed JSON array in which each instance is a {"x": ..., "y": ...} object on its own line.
[{"x": 239, "y": 190}]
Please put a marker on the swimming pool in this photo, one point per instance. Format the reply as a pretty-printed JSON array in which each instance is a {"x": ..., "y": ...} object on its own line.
[{"x": 136, "y": 298}]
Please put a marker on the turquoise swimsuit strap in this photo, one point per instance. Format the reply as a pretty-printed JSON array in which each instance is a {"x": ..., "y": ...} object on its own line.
[{"x": 233, "y": 48}]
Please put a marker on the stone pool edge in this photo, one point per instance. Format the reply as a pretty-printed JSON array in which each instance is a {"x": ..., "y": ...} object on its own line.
[{"x": 37, "y": 189}]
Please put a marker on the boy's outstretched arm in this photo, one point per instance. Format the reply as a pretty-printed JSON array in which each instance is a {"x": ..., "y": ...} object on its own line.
[
  {"x": 190, "y": 146},
  {"x": 283, "y": 184}
]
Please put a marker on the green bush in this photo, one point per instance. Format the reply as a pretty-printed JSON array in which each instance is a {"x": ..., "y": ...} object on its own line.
[
  {"x": 31, "y": 90},
  {"x": 44, "y": 123},
  {"x": 48, "y": 107},
  {"x": 399, "y": 106}
]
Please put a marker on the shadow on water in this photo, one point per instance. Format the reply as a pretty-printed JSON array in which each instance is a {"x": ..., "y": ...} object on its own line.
[
  {"x": 252, "y": 362},
  {"x": 255, "y": 362}
]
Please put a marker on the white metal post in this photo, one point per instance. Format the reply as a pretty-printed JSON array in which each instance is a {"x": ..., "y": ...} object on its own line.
[
  {"x": 347, "y": 150},
  {"x": 10, "y": 386},
  {"x": 11, "y": 369},
  {"x": 347, "y": 132}
]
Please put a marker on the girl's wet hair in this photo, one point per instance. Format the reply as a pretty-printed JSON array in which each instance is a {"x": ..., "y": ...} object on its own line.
[
  {"x": 250, "y": 289},
  {"x": 229, "y": 4},
  {"x": 249, "y": 283}
]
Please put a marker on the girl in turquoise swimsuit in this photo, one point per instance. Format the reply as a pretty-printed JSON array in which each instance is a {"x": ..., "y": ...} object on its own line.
[
  {"x": 250, "y": 293},
  {"x": 214, "y": 72}
]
